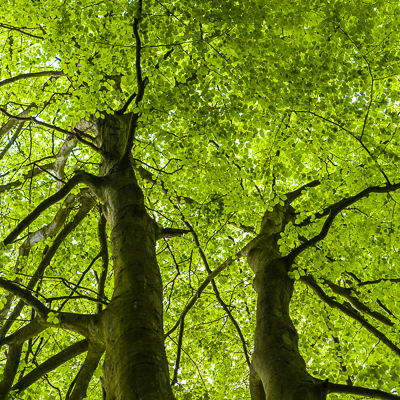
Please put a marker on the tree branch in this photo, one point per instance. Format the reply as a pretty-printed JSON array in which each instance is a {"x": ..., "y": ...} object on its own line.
[
  {"x": 291, "y": 196},
  {"x": 85, "y": 374},
  {"x": 74, "y": 132},
  {"x": 332, "y": 211},
  {"x": 216, "y": 291},
  {"x": 18, "y": 29},
  {"x": 26, "y": 296},
  {"x": 10, "y": 370},
  {"x": 25, "y": 333},
  {"x": 324, "y": 119},
  {"x": 101, "y": 229},
  {"x": 87, "y": 204},
  {"x": 126, "y": 105},
  {"x": 178, "y": 352},
  {"x": 57, "y": 166},
  {"x": 80, "y": 177},
  {"x": 310, "y": 282},
  {"x": 163, "y": 233},
  {"x": 66, "y": 319},
  {"x": 53, "y": 74},
  {"x": 360, "y": 391},
  {"x": 12, "y": 140},
  {"x": 138, "y": 48},
  {"x": 13, "y": 121},
  {"x": 51, "y": 364},
  {"x": 357, "y": 304},
  {"x": 209, "y": 278},
  {"x": 141, "y": 84},
  {"x": 47, "y": 231}
]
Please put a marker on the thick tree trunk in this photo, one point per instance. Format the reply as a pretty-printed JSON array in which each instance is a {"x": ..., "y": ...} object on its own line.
[
  {"x": 135, "y": 364},
  {"x": 278, "y": 371}
]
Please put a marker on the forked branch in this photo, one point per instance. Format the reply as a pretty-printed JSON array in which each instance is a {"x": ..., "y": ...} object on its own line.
[{"x": 332, "y": 211}]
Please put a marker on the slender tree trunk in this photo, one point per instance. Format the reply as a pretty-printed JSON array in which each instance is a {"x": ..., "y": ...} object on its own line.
[
  {"x": 135, "y": 364},
  {"x": 278, "y": 371}
]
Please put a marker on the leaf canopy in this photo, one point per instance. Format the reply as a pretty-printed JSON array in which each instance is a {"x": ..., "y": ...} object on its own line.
[{"x": 245, "y": 103}]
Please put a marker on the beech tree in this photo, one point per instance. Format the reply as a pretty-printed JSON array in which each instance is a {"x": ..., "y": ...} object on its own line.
[{"x": 199, "y": 200}]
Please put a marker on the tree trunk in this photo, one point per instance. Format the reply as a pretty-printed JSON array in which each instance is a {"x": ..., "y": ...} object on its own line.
[
  {"x": 135, "y": 364},
  {"x": 278, "y": 371}
]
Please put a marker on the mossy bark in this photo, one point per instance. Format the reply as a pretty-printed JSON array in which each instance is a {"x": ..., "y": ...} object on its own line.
[
  {"x": 278, "y": 370},
  {"x": 135, "y": 364}
]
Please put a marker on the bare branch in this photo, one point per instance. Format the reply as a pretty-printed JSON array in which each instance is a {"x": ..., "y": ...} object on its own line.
[
  {"x": 87, "y": 204},
  {"x": 47, "y": 231},
  {"x": 132, "y": 97},
  {"x": 141, "y": 85},
  {"x": 360, "y": 391},
  {"x": 178, "y": 352},
  {"x": 77, "y": 284},
  {"x": 244, "y": 228},
  {"x": 170, "y": 232},
  {"x": 209, "y": 278},
  {"x": 85, "y": 374},
  {"x": 20, "y": 29},
  {"x": 374, "y": 282},
  {"x": 10, "y": 370},
  {"x": 57, "y": 167},
  {"x": 131, "y": 134},
  {"x": 12, "y": 140},
  {"x": 26, "y": 296},
  {"x": 291, "y": 196},
  {"x": 79, "y": 323},
  {"x": 357, "y": 304},
  {"x": 80, "y": 177},
  {"x": 51, "y": 364},
  {"x": 62, "y": 157},
  {"x": 104, "y": 260},
  {"x": 25, "y": 333},
  {"x": 53, "y": 74},
  {"x": 216, "y": 291},
  {"x": 310, "y": 282},
  {"x": 78, "y": 296},
  {"x": 126, "y": 105},
  {"x": 138, "y": 47},
  {"x": 324, "y": 119},
  {"x": 14, "y": 121},
  {"x": 74, "y": 132},
  {"x": 332, "y": 211}
]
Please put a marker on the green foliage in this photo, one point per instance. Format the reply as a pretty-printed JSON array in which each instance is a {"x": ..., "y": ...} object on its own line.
[{"x": 246, "y": 101}]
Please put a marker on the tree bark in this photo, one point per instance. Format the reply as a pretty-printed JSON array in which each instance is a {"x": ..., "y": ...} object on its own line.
[
  {"x": 135, "y": 364},
  {"x": 278, "y": 371}
]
